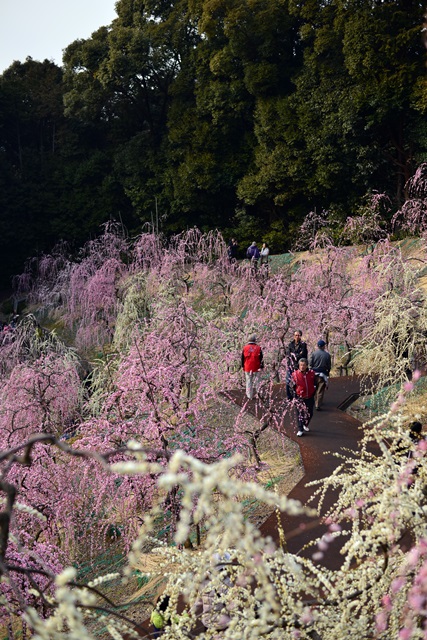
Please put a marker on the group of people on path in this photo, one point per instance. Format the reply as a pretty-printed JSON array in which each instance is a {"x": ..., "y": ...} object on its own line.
[
  {"x": 258, "y": 256},
  {"x": 306, "y": 379}
]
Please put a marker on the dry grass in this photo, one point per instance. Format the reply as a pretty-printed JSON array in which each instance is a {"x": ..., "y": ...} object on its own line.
[
  {"x": 414, "y": 408},
  {"x": 281, "y": 470}
]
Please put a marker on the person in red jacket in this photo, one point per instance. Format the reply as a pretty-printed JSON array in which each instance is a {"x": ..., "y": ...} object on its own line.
[
  {"x": 252, "y": 363},
  {"x": 303, "y": 380}
]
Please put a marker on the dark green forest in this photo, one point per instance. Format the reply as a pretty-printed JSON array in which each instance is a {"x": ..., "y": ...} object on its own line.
[{"x": 241, "y": 115}]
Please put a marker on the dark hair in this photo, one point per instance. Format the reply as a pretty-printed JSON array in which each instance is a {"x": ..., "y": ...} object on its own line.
[
  {"x": 163, "y": 602},
  {"x": 416, "y": 427}
]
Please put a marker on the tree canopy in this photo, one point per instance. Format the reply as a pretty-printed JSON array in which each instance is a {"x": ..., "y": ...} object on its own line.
[{"x": 237, "y": 115}]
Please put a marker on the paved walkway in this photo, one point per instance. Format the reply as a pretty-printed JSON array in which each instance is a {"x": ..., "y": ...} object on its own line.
[{"x": 331, "y": 430}]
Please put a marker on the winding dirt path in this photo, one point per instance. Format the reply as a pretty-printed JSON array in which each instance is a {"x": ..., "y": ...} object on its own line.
[{"x": 331, "y": 430}]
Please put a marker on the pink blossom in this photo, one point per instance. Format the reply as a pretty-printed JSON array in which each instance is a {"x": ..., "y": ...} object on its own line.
[
  {"x": 381, "y": 621},
  {"x": 405, "y": 634},
  {"x": 307, "y": 616},
  {"x": 416, "y": 600},
  {"x": 398, "y": 584},
  {"x": 413, "y": 557}
]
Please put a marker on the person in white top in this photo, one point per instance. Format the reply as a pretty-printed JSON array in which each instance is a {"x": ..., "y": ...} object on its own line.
[{"x": 265, "y": 252}]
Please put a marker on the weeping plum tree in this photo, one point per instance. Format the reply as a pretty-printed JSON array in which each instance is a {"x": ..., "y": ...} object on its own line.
[
  {"x": 394, "y": 342},
  {"x": 178, "y": 314},
  {"x": 84, "y": 293},
  {"x": 370, "y": 225},
  {"x": 314, "y": 232},
  {"x": 412, "y": 216},
  {"x": 379, "y": 589}
]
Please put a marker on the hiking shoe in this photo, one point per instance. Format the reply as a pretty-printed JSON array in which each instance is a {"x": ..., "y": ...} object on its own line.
[
  {"x": 306, "y": 429},
  {"x": 300, "y": 433},
  {"x": 317, "y": 408}
]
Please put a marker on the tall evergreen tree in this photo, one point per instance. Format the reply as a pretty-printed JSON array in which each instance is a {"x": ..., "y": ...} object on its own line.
[
  {"x": 353, "y": 121},
  {"x": 31, "y": 127}
]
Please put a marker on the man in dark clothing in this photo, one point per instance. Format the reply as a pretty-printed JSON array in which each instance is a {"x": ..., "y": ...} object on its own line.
[
  {"x": 320, "y": 362},
  {"x": 253, "y": 255},
  {"x": 252, "y": 363},
  {"x": 297, "y": 349},
  {"x": 232, "y": 250}
]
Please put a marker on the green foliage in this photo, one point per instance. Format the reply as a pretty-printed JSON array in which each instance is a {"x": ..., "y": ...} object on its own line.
[{"x": 188, "y": 110}]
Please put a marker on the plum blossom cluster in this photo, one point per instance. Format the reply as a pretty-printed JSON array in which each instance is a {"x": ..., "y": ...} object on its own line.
[
  {"x": 379, "y": 589},
  {"x": 315, "y": 232},
  {"x": 412, "y": 216},
  {"x": 370, "y": 225},
  {"x": 157, "y": 329}
]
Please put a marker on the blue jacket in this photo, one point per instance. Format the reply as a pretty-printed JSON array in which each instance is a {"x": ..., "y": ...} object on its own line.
[{"x": 253, "y": 252}]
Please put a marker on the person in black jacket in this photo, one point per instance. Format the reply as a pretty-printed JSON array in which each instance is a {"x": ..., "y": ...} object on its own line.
[
  {"x": 297, "y": 349},
  {"x": 320, "y": 362},
  {"x": 232, "y": 250},
  {"x": 253, "y": 254}
]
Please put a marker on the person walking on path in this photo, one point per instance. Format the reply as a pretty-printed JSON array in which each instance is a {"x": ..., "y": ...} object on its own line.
[
  {"x": 264, "y": 253},
  {"x": 253, "y": 254},
  {"x": 320, "y": 362},
  {"x": 232, "y": 250},
  {"x": 252, "y": 363},
  {"x": 304, "y": 384},
  {"x": 297, "y": 349}
]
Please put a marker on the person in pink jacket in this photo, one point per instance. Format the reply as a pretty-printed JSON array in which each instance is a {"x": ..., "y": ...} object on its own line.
[
  {"x": 303, "y": 380},
  {"x": 252, "y": 363}
]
